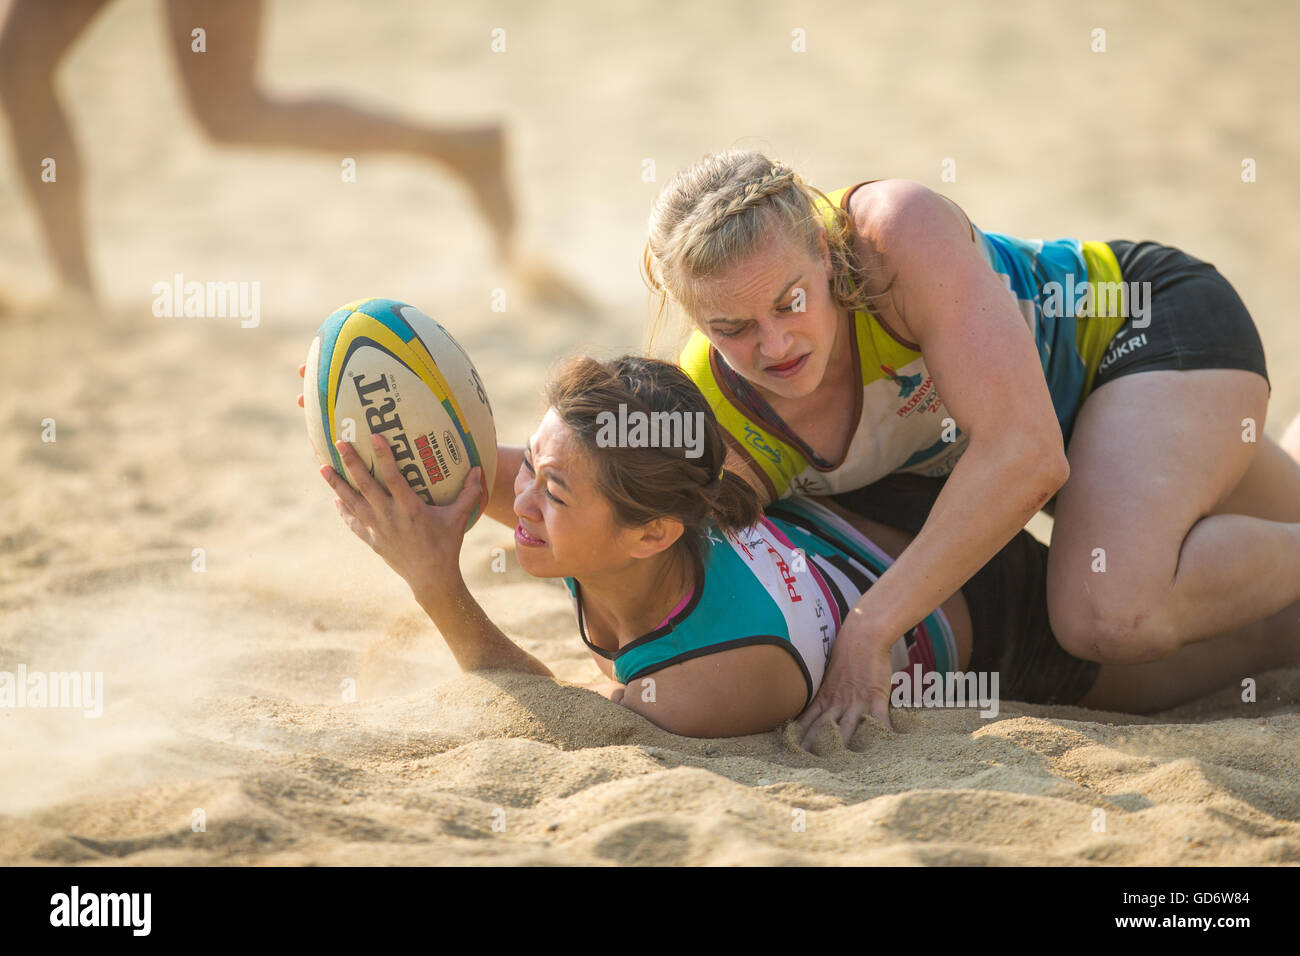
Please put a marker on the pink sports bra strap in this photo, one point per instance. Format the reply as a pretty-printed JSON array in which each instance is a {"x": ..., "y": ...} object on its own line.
[{"x": 684, "y": 601}]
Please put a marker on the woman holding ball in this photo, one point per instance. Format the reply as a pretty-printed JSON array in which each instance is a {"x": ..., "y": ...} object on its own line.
[
  {"x": 875, "y": 331},
  {"x": 678, "y": 579}
]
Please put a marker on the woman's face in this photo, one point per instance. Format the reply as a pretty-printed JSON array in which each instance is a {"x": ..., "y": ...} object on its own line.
[
  {"x": 567, "y": 528},
  {"x": 751, "y": 314}
]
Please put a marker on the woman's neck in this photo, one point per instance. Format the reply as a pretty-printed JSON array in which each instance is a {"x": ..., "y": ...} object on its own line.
[{"x": 630, "y": 602}]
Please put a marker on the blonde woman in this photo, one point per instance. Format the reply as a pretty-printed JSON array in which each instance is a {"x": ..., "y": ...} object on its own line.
[{"x": 875, "y": 331}]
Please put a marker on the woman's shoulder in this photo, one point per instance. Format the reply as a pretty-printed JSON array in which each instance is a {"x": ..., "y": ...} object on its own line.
[{"x": 889, "y": 210}]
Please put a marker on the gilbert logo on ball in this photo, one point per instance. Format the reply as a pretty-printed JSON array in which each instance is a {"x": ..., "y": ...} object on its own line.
[{"x": 395, "y": 372}]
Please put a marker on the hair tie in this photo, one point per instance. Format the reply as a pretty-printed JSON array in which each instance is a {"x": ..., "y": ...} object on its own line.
[{"x": 716, "y": 480}]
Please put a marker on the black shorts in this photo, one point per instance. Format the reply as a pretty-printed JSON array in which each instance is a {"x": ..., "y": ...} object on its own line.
[
  {"x": 1007, "y": 599},
  {"x": 1196, "y": 319}
]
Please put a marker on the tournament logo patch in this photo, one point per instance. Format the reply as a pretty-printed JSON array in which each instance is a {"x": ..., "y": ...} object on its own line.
[
  {"x": 918, "y": 394},
  {"x": 906, "y": 383}
]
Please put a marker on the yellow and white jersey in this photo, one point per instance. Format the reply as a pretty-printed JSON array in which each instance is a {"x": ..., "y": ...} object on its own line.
[{"x": 900, "y": 421}]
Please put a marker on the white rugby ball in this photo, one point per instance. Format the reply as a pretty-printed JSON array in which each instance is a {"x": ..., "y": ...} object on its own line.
[{"x": 378, "y": 366}]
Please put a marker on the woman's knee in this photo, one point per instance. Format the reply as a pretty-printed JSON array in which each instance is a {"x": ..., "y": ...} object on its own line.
[
  {"x": 1112, "y": 626},
  {"x": 26, "y": 80},
  {"x": 34, "y": 36}
]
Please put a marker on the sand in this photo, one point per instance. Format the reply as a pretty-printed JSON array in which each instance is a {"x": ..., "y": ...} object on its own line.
[{"x": 225, "y": 687}]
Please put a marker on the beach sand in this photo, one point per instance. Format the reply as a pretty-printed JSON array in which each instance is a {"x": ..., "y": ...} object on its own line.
[{"x": 225, "y": 689}]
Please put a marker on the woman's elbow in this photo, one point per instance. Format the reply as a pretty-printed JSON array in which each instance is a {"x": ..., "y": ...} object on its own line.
[
  {"x": 1030, "y": 459},
  {"x": 1045, "y": 468}
]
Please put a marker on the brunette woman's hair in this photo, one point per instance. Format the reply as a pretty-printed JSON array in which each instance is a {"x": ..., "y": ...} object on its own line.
[{"x": 645, "y": 482}]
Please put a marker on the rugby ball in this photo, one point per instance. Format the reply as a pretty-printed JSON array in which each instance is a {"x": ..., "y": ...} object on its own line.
[{"x": 378, "y": 366}]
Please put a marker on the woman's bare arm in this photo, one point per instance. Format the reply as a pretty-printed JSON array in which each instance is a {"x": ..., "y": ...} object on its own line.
[
  {"x": 987, "y": 371},
  {"x": 745, "y": 690},
  {"x": 501, "y": 498},
  {"x": 475, "y": 642},
  {"x": 422, "y": 544}
]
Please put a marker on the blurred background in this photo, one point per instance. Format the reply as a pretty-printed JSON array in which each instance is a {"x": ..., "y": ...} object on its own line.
[
  {"x": 177, "y": 434},
  {"x": 1048, "y": 138}
]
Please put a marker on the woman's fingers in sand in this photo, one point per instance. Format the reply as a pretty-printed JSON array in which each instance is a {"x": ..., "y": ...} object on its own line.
[
  {"x": 879, "y": 709},
  {"x": 806, "y": 724},
  {"x": 845, "y": 715},
  {"x": 848, "y": 721}
]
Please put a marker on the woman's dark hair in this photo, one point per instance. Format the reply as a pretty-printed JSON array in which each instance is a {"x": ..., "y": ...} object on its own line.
[{"x": 646, "y": 482}]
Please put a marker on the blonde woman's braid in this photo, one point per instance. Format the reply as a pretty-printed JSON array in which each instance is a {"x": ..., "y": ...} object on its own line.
[
  {"x": 694, "y": 231},
  {"x": 698, "y": 228},
  {"x": 777, "y": 181}
]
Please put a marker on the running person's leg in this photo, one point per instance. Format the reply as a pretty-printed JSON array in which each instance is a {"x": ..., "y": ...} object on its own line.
[
  {"x": 35, "y": 36},
  {"x": 221, "y": 84}
]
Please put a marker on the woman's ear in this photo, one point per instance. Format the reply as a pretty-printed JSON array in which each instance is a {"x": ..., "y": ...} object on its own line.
[
  {"x": 655, "y": 536},
  {"x": 827, "y": 264}
]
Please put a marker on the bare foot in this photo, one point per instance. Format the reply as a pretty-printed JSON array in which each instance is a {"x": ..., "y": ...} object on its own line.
[
  {"x": 477, "y": 155},
  {"x": 541, "y": 283},
  {"x": 67, "y": 303}
]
